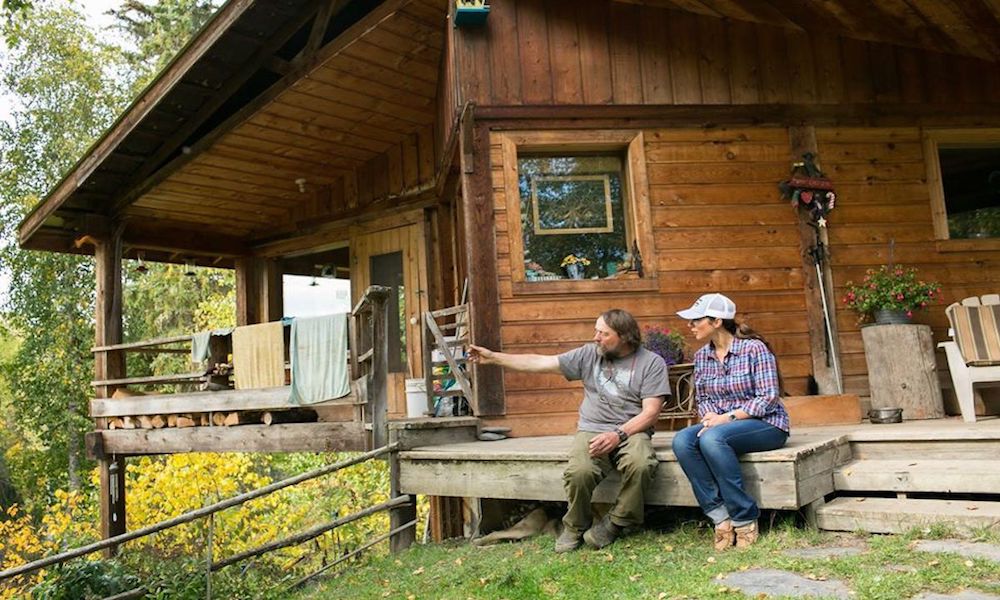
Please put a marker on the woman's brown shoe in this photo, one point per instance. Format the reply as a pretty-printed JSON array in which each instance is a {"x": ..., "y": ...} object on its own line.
[
  {"x": 746, "y": 535},
  {"x": 725, "y": 536}
]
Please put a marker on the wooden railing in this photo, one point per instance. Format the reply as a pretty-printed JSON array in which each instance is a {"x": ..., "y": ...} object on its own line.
[
  {"x": 453, "y": 321},
  {"x": 398, "y": 505},
  {"x": 369, "y": 354}
]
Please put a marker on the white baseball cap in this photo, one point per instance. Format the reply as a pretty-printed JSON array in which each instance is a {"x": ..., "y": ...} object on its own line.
[{"x": 710, "y": 305}]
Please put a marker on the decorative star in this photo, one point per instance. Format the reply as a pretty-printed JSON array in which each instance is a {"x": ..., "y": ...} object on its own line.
[{"x": 821, "y": 222}]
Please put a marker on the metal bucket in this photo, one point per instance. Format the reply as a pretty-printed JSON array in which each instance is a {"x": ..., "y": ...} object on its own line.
[{"x": 881, "y": 416}]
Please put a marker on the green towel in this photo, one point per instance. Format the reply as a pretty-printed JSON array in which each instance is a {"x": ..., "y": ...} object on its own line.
[{"x": 318, "y": 355}]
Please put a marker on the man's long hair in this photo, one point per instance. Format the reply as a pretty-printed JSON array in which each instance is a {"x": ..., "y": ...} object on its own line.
[{"x": 625, "y": 325}]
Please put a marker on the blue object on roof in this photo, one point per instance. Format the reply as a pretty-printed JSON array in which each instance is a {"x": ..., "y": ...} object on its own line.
[{"x": 471, "y": 13}]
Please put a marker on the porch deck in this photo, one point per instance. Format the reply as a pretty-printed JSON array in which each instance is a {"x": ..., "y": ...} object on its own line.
[{"x": 815, "y": 464}]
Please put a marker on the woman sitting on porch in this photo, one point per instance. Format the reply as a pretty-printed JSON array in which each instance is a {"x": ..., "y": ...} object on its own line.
[{"x": 737, "y": 386}]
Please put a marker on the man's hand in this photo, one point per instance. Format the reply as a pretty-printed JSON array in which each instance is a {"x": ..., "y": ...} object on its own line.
[
  {"x": 478, "y": 354},
  {"x": 603, "y": 444}
]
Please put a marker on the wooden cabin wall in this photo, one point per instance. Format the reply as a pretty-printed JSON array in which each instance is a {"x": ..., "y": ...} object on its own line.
[
  {"x": 553, "y": 52},
  {"x": 719, "y": 225},
  {"x": 882, "y": 195}
]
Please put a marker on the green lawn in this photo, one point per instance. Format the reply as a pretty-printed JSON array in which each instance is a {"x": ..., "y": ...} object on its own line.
[{"x": 675, "y": 563}]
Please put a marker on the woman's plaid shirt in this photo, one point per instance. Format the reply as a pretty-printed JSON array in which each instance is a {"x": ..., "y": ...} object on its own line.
[{"x": 748, "y": 380}]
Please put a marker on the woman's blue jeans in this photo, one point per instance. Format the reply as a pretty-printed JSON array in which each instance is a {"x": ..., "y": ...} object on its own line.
[{"x": 712, "y": 465}]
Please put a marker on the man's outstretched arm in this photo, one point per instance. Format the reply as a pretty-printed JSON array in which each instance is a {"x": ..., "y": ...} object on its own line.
[{"x": 535, "y": 363}]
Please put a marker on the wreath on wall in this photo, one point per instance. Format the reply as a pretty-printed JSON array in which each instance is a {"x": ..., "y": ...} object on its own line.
[{"x": 809, "y": 189}]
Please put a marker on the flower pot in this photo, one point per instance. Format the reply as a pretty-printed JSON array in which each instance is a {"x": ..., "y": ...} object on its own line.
[
  {"x": 891, "y": 317},
  {"x": 575, "y": 271}
]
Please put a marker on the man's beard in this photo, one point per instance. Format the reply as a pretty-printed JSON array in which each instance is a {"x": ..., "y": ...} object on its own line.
[{"x": 610, "y": 353}]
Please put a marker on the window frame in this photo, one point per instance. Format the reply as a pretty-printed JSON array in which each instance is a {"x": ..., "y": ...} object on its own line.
[
  {"x": 933, "y": 140},
  {"x": 635, "y": 203}
]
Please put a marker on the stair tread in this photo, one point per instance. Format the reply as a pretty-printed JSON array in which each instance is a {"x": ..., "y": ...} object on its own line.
[
  {"x": 919, "y": 475},
  {"x": 898, "y": 515},
  {"x": 913, "y": 506}
]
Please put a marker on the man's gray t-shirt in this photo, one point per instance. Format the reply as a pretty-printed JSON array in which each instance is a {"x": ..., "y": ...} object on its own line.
[{"x": 613, "y": 389}]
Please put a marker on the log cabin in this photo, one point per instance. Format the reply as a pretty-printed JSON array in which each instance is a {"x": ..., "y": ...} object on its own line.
[{"x": 458, "y": 160}]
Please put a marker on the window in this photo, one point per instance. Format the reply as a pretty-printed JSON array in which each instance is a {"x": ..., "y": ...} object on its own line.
[
  {"x": 577, "y": 211},
  {"x": 964, "y": 175}
]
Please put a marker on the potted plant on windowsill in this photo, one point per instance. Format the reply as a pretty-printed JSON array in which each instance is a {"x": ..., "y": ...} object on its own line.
[
  {"x": 890, "y": 294},
  {"x": 575, "y": 265}
]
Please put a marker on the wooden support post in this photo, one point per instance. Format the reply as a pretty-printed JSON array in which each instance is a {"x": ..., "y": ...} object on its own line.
[
  {"x": 247, "y": 292},
  {"x": 271, "y": 299},
  {"x": 481, "y": 258},
  {"x": 403, "y": 514},
  {"x": 377, "y": 390},
  {"x": 826, "y": 364},
  {"x": 110, "y": 364}
]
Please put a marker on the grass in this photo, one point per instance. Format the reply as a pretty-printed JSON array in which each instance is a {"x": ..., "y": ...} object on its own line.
[{"x": 675, "y": 563}]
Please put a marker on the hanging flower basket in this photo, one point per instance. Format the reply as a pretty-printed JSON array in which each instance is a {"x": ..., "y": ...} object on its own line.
[{"x": 809, "y": 189}]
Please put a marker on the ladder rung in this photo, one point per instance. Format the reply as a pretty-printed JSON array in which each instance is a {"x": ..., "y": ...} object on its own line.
[{"x": 452, "y": 392}]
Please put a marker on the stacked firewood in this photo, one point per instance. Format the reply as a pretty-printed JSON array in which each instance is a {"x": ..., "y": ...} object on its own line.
[{"x": 214, "y": 419}]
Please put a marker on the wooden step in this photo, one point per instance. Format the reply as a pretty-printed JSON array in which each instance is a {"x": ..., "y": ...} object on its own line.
[
  {"x": 969, "y": 448},
  {"x": 920, "y": 475},
  {"x": 898, "y": 515}
]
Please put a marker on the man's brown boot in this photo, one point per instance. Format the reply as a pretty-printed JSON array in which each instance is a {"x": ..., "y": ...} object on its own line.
[
  {"x": 568, "y": 541},
  {"x": 725, "y": 536},
  {"x": 746, "y": 535}
]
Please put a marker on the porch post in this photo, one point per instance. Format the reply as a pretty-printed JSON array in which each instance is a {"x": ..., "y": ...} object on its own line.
[
  {"x": 270, "y": 292},
  {"x": 826, "y": 363},
  {"x": 110, "y": 365},
  {"x": 481, "y": 258},
  {"x": 248, "y": 309}
]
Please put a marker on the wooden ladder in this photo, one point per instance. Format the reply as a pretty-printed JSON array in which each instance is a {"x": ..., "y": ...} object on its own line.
[{"x": 455, "y": 321}]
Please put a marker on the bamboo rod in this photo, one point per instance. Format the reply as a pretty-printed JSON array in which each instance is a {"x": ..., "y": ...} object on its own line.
[
  {"x": 194, "y": 514},
  {"x": 309, "y": 534},
  {"x": 352, "y": 554}
]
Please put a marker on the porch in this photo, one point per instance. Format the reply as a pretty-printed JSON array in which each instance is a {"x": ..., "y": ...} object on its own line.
[{"x": 876, "y": 478}]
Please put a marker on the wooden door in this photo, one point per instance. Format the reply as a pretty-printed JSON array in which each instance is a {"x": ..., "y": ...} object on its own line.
[{"x": 381, "y": 250}]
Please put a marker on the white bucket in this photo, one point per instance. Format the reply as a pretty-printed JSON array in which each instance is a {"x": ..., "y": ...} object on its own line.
[{"x": 416, "y": 398}]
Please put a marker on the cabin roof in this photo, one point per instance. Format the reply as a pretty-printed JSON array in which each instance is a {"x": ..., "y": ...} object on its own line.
[
  {"x": 263, "y": 103},
  {"x": 259, "y": 111}
]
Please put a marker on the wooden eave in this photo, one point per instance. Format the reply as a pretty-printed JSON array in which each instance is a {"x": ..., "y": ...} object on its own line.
[
  {"x": 201, "y": 162},
  {"x": 964, "y": 27}
]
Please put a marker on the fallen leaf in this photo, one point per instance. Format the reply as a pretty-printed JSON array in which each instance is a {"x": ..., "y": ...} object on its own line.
[
  {"x": 661, "y": 596},
  {"x": 411, "y": 597},
  {"x": 519, "y": 553},
  {"x": 634, "y": 577},
  {"x": 711, "y": 559},
  {"x": 847, "y": 472},
  {"x": 761, "y": 596},
  {"x": 483, "y": 580},
  {"x": 933, "y": 563},
  {"x": 419, "y": 571},
  {"x": 386, "y": 594},
  {"x": 969, "y": 563},
  {"x": 399, "y": 562},
  {"x": 668, "y": 548},
  {"x": 971, "y": 508},
  {"x": 810, "y": 576},
  {"x": 821, "y": 578},
  {"x": 720, "y": 576},
  {"x": 723, "y": 589},
  {"x": 609, "y": 557},
  {"x": 744, "y": 567},
  {"x": 860, "y": 499}
]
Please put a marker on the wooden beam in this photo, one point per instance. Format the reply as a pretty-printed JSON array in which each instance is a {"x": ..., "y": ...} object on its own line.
[
  {"x": 248, "y": 307},
  {"x": 320, "y": 24},
  {"x": 271, "y": 299},
  {"x": 300, "y": 68},
  {"x": 480, "y": 251},
  {"x": 291, "y": 437},
  {"x": 139, "y": 109},
  {"x": 109, "y": 365},
  {"x": 826, "y": 364}
]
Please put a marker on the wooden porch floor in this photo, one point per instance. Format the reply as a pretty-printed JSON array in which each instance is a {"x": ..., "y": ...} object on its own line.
[{"x": 800, "y": 474}]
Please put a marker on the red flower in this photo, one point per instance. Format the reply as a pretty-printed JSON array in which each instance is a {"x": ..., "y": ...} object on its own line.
[{"x": 806, "y": 197}]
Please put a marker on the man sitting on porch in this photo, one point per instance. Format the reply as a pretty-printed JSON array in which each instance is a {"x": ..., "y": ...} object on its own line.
[{"x": 624, "y": 386}]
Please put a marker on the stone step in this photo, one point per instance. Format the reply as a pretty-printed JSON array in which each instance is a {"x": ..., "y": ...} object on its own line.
[
  {"x": 919, "y": 475},
  {"x": 898, "y": 515}
]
